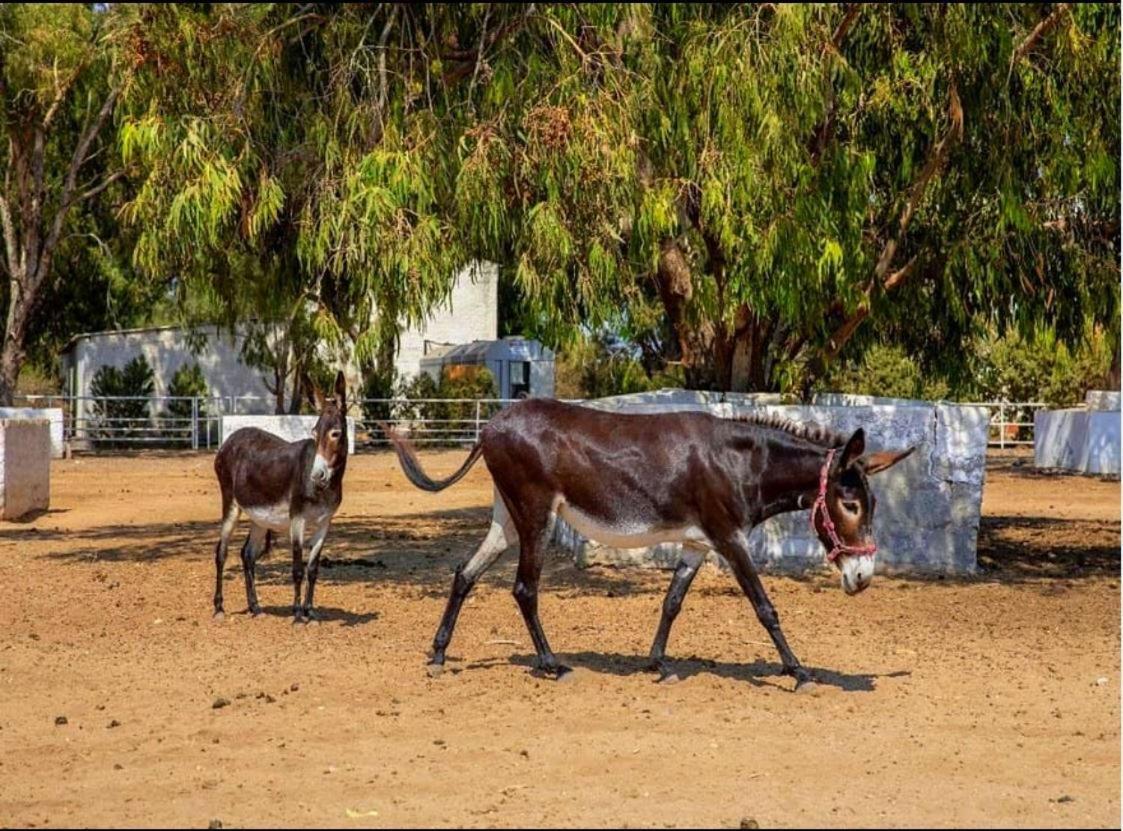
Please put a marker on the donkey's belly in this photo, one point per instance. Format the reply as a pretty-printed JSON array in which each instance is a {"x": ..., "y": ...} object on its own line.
[
  {"x": 276, "y": 517},
  {"x": 273, "y": 517},
  {"x": 625, "y": 533}
]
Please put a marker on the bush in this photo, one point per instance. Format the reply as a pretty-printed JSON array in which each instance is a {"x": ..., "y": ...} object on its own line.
[
  {"x": 460, "y": 382},
  {"x": 187, "y": 382},
  {"x": 1042, "y": 369},
  {"x": 120, "y": 420},
  {"x": 886, "y": 371},
  {"x": 595, "y": 369}
]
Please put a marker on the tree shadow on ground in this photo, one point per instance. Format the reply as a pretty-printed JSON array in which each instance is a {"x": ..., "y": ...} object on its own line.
[
  {"x": 419, "y": 550},
  {"x": 423, "y": 549},
  {"x": 1018, "y": 548}
]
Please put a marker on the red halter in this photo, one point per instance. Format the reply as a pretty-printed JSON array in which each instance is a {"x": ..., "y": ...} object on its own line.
[{"x": 839, "y": 547}]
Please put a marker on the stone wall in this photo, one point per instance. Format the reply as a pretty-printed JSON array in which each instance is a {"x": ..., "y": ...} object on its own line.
[
  {"x": 52, "y": 414},
  {"x": 288, "y": 427},
  {"x": 25, "y": 467},
  {"x": 928, "y": 508}
]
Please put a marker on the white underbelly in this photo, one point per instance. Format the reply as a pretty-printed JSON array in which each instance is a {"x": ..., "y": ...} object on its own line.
[
  {"x": 273, "y": 517},
  {"x": 626, "y": 534},
  {"x": 276, "y": 517}
]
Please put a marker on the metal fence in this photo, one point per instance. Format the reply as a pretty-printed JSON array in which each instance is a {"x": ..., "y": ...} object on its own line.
[
  {"x": 1011, "y": 422},
  {"x": 91, "y": 422},
  {"x": 97, "y": 422}
]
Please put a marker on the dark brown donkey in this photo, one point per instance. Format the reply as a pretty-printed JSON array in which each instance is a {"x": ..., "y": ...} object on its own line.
[
  {"x": 636, "y": 480},
  {"x": 283, "y": 486}
]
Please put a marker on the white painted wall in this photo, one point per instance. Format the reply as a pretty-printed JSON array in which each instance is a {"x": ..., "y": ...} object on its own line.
[{"x": 471, "y": 312}]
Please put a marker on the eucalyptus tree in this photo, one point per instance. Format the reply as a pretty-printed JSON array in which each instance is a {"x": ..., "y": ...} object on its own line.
[
  {"x": 57, "y": 99},
  {"x": 751, "y": 188},
  {"x": 761, "y": 181}
]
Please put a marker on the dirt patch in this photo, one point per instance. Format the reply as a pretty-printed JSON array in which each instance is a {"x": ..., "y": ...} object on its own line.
[{"x": 989, "y": 701}]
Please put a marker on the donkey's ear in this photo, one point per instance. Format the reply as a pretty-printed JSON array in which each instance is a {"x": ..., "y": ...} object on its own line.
[
  {"x": 854, "y": 448},
  {"x": 877, "y": 462},
  {"x": 317, "y": 398},
  {"x": 341, "y": 390}
]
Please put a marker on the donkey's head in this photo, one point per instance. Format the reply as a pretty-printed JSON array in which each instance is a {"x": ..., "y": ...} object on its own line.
[
  {"x": 330, "y": 433},
  {"x": 842, "y": 514}
]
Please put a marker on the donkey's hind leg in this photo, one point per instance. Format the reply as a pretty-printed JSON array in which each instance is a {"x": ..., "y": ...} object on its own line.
[
  {"x": 230, "y": 512},
  {"x": 531, "y": 525},
  {"x": 255, "y": 546},
  {"x": 500, "y": 536},
  {"x": 692, "y": 558}
]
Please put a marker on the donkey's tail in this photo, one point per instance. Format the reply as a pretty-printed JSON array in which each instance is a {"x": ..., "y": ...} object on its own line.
[{"x": 411, "y": 467}]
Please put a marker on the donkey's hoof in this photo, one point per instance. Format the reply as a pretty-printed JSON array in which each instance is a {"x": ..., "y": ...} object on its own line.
[
  {"x": 668, "y": 677},
  {"x": 563, "y": 673},
  {"x": 255, "y": 613},
  {"x": 807, "y": 688},
  {"x": 435, "y": 670},
  {"x": 219, "y": 616}
]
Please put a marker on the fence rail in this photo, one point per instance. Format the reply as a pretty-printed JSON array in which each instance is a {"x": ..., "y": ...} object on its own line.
[{"x": 91, "y": 422}]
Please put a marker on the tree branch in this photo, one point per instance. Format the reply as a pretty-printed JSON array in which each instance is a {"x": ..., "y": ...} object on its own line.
[
  {"x": 1039, "y": 31},
  {"x": 882, "y": 279},
  {"x": 823, "y": 132},
  {"x": 9, "y": 239},
  {"x": 843, "y": 28},
  {"x": 94, "y": 191},
  {"x": 70, "y": 185}
]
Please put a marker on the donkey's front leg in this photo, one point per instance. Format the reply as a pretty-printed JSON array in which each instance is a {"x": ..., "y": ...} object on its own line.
[
  {"x": 736, "y": 551},
  {"x": 680, "y": 584},
  {"x": 296, "y": 535},
  {"x": 316, "y": 543}
]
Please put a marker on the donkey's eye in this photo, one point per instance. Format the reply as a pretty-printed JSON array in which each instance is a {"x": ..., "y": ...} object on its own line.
[{"x": 851, "y": 507}]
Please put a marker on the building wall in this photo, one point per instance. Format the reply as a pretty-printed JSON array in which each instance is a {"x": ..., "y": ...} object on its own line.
[{"x": 470, "y": 313}]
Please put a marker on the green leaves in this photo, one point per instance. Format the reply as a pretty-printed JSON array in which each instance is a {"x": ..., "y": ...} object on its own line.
[{"x": 373, "y": 151}]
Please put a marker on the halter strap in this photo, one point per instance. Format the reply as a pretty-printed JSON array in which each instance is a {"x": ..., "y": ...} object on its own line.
[{"x": 838, "y": 546}]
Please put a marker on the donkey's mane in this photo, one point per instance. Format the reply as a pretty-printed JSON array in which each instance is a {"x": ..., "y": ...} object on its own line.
[{"x": 814, "y": 433}]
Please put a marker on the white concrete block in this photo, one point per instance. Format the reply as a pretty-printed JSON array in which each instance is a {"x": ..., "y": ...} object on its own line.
[
  {"x": 287, "y": 427},
  {"x": 25, "y": 467},
  {"x": 52, "y": 414},
  {"x": 1077, "y": 439},
  {"x": 1102, "y": 400}
]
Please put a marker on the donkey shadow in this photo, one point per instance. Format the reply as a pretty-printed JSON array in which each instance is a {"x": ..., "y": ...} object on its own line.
[
  {"x": 326, "y": 614},
  {"x": 759, "y": 673}
]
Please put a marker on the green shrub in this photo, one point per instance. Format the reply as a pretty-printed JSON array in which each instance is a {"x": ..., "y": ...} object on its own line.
[
  {"x": 885, "y": 371},
  {"x": 123, "y": 419},
  {"x": 187, "y": 382},
  {"x": 458, "y": 382},
  {"x": 595, "y": 369}
]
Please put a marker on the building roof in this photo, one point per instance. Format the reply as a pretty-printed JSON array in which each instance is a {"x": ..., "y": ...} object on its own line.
[
  {"x": 479, "y": 351},
  {"x": 140, "y": 330}
]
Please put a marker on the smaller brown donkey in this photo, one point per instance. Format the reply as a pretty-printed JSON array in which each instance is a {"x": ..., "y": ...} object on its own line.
[{"x": 283, "y": 486}]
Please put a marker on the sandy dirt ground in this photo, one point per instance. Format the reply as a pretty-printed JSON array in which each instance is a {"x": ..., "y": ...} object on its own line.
[{"x": 990, "y": 701}]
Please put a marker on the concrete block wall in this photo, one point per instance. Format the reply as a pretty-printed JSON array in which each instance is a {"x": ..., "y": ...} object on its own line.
[
  {"x": 1080, "y": 439},
  {"x": 288, "y": 427},
  {"x": 52, "y": 414},
  {"x": 929, "y": 505},
  {"x": 25, "y": 467}
]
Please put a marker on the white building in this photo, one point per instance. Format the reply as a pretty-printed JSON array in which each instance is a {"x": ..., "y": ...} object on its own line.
[{"x": 469, "y": 313}]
